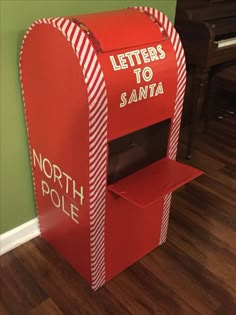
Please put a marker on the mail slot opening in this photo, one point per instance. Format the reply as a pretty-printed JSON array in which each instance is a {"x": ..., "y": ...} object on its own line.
[{"x": 136, "y": 150}]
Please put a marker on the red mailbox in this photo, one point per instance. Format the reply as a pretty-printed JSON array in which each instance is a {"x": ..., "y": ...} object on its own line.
[{"x": 103, "y": 97}]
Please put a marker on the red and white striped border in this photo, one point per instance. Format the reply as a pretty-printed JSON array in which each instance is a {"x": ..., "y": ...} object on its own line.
[
  {"x": 165, "y": 218},
  {"x": 97, "y": 97},
  {"x": 169, "y": 29}
]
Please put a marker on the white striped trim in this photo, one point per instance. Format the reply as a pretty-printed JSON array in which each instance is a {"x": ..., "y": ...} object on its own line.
[
  {"x": 165, "y": 218},
  {"x": 26, "y": 118},
  {"x": 97, "y": 95}
]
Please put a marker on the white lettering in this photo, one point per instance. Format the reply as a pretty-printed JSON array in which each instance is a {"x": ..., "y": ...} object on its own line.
[
  {"x": 152, "y": 87},
  {"x": 63, "y": 206},
  {"x": 67, "y": 181},
  {"x": 56, "y": 203},
  {"x": 46, "y": 161},
  {"x": 79, "y": 193},
  {"x": 57, "y": 174},
  {"x": 159, "y": 89},
  {"x": 153, "y": 53},
  {"x": 138, "y": 74},
  {"x": 113, "y": 62},
  {"x": 161, "y": 51},
  {"x": 136, "y": 53},
  {"x": 143, "y": 92},
  {"x": 54, "y": 172},
  {"x": 123, "y": 99},
  {"x": 137, "y": 57},
  {"x": 147, "y": 74},
  {"x": 133, "y": 97},
  {"x": 45, "y": 188},
  {"x": 39, "y": 160},
  {"x": 129, "y": 55},
  {"x": 74, "y": 213},
  {"x": 145, "y": 55},
  {"x": 123, "y": 61}
]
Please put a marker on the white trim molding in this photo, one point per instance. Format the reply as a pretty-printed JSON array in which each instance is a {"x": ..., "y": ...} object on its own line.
[{"x": 19, "y": 235}]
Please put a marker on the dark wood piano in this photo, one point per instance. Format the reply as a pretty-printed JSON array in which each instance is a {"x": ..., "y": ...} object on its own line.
[{"x": 208, "y": 32}]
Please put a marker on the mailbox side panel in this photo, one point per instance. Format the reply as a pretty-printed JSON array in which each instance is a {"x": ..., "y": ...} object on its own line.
[{"x": 56, "y": 109}]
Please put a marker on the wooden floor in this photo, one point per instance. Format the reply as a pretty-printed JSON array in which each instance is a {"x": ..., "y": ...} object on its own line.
[{"x": 193, "y": 273}]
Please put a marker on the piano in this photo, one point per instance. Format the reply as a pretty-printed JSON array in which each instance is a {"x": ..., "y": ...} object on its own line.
[{"x": 208, "y": 32}]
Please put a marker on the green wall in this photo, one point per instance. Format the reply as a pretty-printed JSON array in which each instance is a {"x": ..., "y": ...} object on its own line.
[{"x": 17, "y": 200}]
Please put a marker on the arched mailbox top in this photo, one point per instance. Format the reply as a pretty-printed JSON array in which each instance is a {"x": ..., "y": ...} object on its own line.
[
  {"x": 123, "y": 28},
  {"x": 133, "y": 46}
]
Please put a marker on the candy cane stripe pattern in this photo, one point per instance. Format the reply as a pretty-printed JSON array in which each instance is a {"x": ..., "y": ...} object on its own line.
[
  {"x": 97, "y": 96},
  {"x": 169, "y": 29}
]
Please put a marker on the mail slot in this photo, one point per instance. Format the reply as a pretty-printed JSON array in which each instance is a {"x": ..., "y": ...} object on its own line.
[{"x": 103, "y": 97}]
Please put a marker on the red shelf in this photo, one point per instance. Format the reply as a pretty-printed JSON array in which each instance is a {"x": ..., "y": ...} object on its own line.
[{"x": 154, "y": 181}]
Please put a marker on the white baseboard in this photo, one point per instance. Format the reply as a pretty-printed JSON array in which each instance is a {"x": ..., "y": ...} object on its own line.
[{"x": 19, "y": 235}]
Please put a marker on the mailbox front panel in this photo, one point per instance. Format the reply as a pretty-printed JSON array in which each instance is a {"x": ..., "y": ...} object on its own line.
[{"x": 131, "y": 232}]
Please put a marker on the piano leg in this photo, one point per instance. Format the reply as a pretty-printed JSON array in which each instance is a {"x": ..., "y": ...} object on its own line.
[
  {"x": 200, "y": 81},
  {"x": 211, "y": 97}
]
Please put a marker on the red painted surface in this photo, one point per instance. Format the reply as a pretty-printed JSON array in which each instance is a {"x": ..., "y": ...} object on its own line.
[
  {"x": 58, "y": 130},
  {"x": 138, "y": 115},
  {"x": 127, "y": 28},
  {"x": 148, "y": 185},
  {"x": 131, "y": 232},
  {"x": 77, "y": 100}
]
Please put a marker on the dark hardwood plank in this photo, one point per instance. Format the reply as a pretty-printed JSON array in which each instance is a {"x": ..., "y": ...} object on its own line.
[
  {"x": 223, "y": 127},
  {"x": 145, "y": 294},
  {"x": 136, "y": 300},
  {"x": 220, "y": 176},
  {"x": 218, "y": 149},
  {"x": 216, "y": 195},
  {"x": 19, "y": 290},
  {"x": 204, "y": 249},
  {"x": 208, "y": 218},
  {"x": 46, "y": 307},
  {"x": 173, "y": 274},
  {"x": 59, "y": 280},
  {"x": 203, "y": 277},
  {"x": 230, "y": 171},
  {"x": 3, "y": 311},
  {"x": 200, "y": 160},
  {"x": 219, "y": 152}
]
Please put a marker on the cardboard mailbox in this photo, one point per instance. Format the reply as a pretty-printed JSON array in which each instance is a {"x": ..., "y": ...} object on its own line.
[{"x": 103, "y": 98}]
